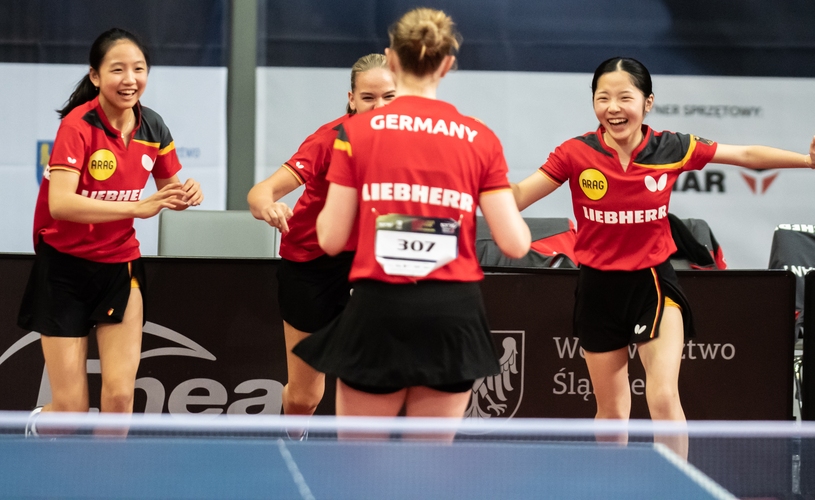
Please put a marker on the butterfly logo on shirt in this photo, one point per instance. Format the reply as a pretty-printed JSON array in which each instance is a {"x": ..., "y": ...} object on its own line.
[{"x": 654, "y": 185}]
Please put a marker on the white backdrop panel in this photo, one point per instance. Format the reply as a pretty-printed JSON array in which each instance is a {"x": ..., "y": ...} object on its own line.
[{"x": 533, "y": 113}]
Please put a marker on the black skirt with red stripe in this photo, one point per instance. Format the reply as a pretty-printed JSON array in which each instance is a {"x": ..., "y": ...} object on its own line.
[{"x": 614, "y": 309}]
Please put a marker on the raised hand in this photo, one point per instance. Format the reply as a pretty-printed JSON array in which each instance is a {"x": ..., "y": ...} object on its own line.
[
  {"x": 169, "y": 196},
  {"x": 194, "y": 196}
]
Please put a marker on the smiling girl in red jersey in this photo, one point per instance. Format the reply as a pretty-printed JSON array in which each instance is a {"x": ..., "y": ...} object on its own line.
[
  {"x": 414, "y": 333},
  {"x": 88, "y": 270},
  {"x": 621, "y": 176},
  {"x": 313, "y": 287}
]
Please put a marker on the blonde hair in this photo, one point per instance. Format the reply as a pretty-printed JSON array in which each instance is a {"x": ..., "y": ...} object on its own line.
[
  {"x": 422, "y": 38},
  {"x": 363, "y": 64}
]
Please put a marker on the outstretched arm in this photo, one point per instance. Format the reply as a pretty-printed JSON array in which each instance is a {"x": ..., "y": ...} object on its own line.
[
  {"x": 263, "y": 198},
  {"x": 763, "y": 157},
  {"x": 532, "y": 189}
]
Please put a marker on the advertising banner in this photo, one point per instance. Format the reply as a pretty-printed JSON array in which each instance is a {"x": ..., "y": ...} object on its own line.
[{"x": 213, "y": 344}]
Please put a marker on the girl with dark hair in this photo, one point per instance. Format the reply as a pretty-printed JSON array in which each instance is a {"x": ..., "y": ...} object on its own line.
[
  {"x": 313, "y": 287},
  {"x": 414, "y": 333},
  {"x": 88, "y": 271},
  {"x": 621, "y": 177}
]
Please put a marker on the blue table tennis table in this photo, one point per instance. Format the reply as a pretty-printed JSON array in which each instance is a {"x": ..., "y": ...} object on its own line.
[{"x": 75, "y": 467}]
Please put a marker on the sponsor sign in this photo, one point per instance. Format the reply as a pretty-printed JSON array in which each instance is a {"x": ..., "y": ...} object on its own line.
[{"x": 218, "y": 348}]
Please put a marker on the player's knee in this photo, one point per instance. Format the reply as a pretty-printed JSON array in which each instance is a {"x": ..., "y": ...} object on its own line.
[
  {"x": 302, "y": 400},
  {"x": 663, "y": 402},
  {"x": 117, "y": 399},
  {"x": 77, "y": 402}
]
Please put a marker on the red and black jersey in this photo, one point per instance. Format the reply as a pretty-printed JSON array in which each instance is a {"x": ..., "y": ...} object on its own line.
[
  {"x": 622, "y": 215},
  {"x": 310, "y": 166},
  {"x": 87, "y": 144},
  {"x": 418, "y": 157}
]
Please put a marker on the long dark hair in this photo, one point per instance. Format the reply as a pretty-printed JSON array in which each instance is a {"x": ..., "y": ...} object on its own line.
[
  {"x": 85, "y": 90},
  {"x": 637, "y": 71}
]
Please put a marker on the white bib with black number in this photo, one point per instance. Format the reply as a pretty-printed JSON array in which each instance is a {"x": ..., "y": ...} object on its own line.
[{"x": 415, "y": 246}]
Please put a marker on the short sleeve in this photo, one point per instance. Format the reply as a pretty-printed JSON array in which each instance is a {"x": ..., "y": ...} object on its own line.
[
  {"x": 702, "y": 152},
  {"x": 68, "y": 152},
  {"x": 341, "y": 169},
  {"x": 313, "y": 155},
  {"x": 557, "y": 167},
  {"x": 495, "y": 174},
  {"x": 167, "y": 163}
]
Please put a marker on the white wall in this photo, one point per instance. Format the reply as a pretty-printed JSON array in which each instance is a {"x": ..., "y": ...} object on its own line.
[{"x": 532, "y": 113}]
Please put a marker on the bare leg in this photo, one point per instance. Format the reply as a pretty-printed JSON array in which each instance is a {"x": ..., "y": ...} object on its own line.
[
  {"x": 66, "y": 359},
  {"x": 119, "y": 355},
  {"x": 427, "y": 402},
  {"x": 351, "y": 402},
  {"x": 609, "y": 377},
  {"x": 305, "y": 386},
  {"x": 661, "y": 359}
]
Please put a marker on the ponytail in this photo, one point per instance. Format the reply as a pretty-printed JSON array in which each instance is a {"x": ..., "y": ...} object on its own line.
[{"x": 83, "y": 92}]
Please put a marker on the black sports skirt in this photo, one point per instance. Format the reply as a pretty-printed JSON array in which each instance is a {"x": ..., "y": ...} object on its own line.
[
  {"x": 311, "y": 294},
  {"x": 425, "y": 334},
  {"x": 66, "y": 296},
  {"x": 616, "y": 308}
]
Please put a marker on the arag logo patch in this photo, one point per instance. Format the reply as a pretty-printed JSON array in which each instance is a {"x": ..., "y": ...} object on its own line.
[
  {"x": 500, "y": 395},
  {"x": 102, "y": 164},
  {"x": 593, "y": 183}
]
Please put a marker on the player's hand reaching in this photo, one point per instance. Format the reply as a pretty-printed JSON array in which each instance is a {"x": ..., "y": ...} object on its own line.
[
  {"x": 812, "y": 153},
  {"x": 277, "y": 214},
  {"x": 193, "y": 194},
  {"x": 169, "y": 196}
]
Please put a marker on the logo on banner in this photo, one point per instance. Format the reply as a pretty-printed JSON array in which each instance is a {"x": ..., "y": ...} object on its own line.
[
  {"x": 185, "y": 394},
  {"x": 43, "y": 157},
  {"x": 759, "y": 181},
  {"x": 500, "y": 395}
]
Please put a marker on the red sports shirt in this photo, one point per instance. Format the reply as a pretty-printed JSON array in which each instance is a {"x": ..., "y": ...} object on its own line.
[
  {"x": 622, "y": 221},
  {"x": 417, "y": 157},
  {"x": 87, "y": 144},
  {"x": 310, "y": 166}
]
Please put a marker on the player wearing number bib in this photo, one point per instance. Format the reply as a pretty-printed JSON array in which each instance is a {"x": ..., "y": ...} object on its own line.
[
  {"x": 621, "y": 178},
  {"x": 414, "y": 332},
  {"x": 313, "y": 287}
]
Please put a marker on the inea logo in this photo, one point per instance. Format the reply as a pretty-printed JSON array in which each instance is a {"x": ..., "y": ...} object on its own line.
[{"x": 185, "y": 394}]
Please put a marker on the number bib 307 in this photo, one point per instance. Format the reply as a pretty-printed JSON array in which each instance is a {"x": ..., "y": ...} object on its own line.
[{"x": 414, "y": 246}]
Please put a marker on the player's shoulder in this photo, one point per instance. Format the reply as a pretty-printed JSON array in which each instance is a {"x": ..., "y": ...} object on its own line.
[
  {"x": 151, "y": 118},
  {"x": 82, "y": 116},
  {"x": 329, "y": 130}
]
